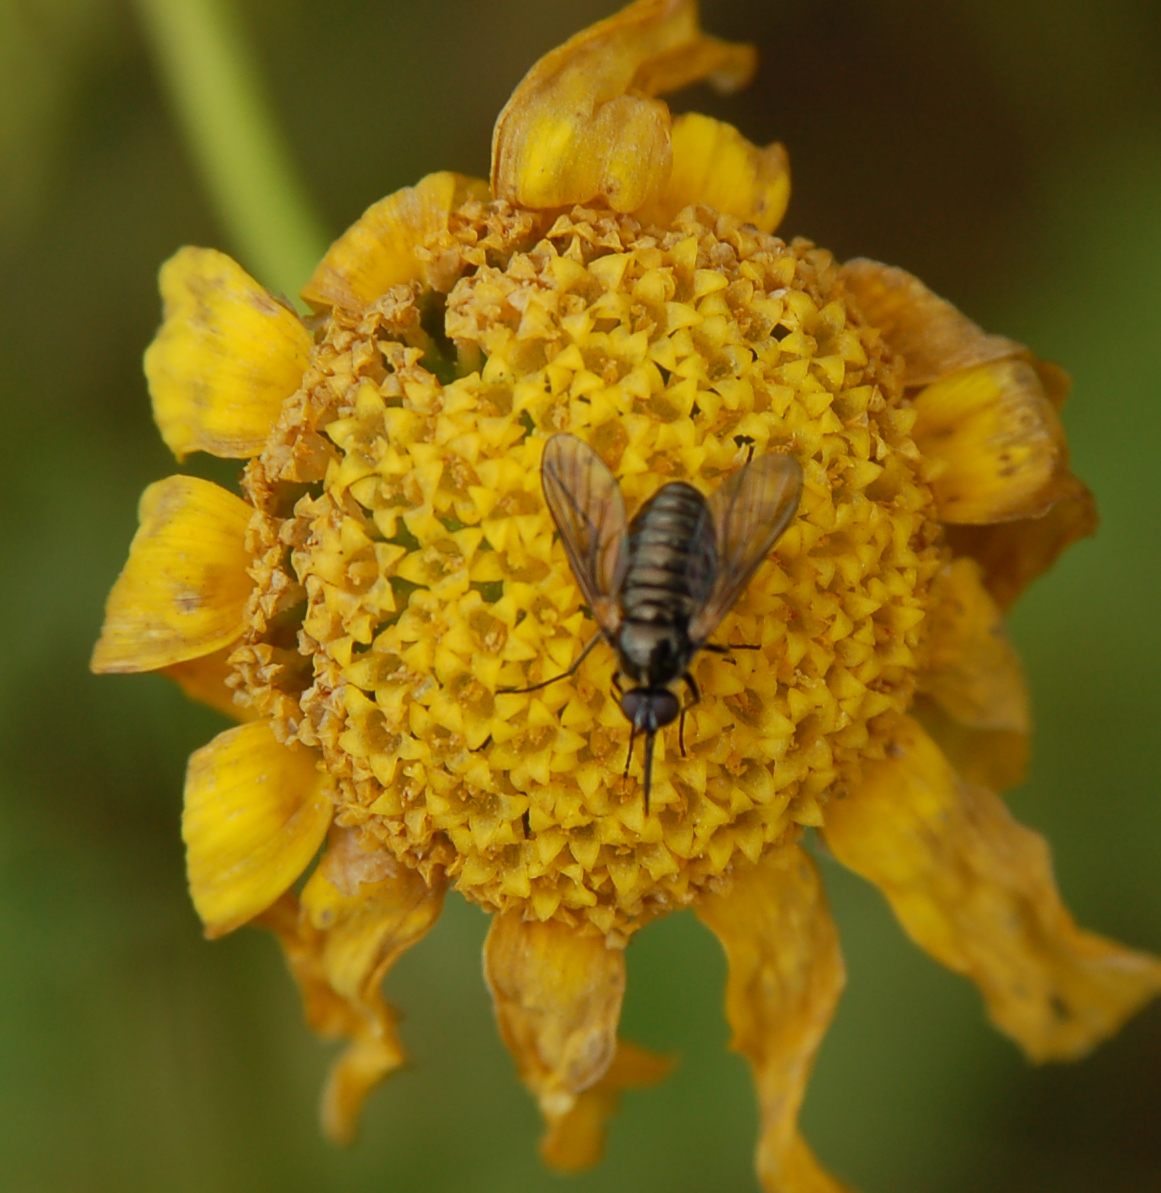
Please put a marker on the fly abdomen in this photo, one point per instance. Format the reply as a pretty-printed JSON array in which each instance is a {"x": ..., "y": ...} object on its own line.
[{"x": 671, "y": 557}]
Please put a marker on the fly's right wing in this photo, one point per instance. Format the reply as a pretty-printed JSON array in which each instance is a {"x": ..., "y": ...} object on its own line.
[
  {"x": 750, "y": 511},
  {"x": 586, "y": 504}
]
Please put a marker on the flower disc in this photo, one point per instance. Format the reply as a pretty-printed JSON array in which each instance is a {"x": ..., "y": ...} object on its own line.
[{"x": 407, "y": 571}]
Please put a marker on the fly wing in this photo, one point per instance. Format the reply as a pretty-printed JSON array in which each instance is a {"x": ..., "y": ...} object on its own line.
[
  {"x": 586, "y": 504},
  {"x": 750, "y": 511}
]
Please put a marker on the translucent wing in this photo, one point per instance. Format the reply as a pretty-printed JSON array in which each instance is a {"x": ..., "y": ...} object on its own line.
[
  {"x": 750, "y": 511},
  {"x": 586, "y": 504}
]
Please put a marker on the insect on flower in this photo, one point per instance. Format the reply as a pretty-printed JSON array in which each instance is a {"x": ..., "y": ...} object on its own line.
[{"x": 659, "y": 585}]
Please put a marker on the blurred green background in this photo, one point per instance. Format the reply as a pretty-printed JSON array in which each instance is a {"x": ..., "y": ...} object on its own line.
[{"x": 1008, "y": 154}]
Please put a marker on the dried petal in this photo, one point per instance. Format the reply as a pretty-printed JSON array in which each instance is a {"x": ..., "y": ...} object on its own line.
[
  {"x": 932, "y": 336},
  {"x": 557, "y": 996},
  {"x": 974, "y": 888},
  {"x": 576, "y": 1139},
  {"x": 785, "y": 976},
  {"x": 582, "y": 125},
  {"x": 384, "y": 246},
  {"x": 256, "y": 811},
  {"x": 226, "y": 357},
  {"x": 359, "y": 913},
  {"x": 182, "y": 593}
]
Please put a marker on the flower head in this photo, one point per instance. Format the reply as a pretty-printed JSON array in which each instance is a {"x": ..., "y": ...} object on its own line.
[{"x": 381, "y": 603}]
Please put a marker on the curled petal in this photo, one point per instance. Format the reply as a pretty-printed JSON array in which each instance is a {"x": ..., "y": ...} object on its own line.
[
  {"x": 183, "y": 592},
  {"x": 785, "y": 976},
  {"x": 557, "y": 997},
  {"x": 358, "y": 914},
  {"x": 715, "y": 165},
  {"x": 386, "y": 245},
  {"x": 932, "y": 336},
  {"x": 1013, "y": 554},
  {"x": 227, "y": 356},
  {"x": 975, "y": 889},
  {"x": 995, "y": 441},
  {"x": 256, "y": 812},
  {"x": 582, "y": 124}
]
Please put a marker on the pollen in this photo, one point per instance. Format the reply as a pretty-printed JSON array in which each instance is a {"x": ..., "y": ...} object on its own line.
[{"x": 406, "y": 574}]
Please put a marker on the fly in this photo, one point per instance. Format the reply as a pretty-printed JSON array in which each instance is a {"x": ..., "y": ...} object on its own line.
[{"x": 659, "y": 585}]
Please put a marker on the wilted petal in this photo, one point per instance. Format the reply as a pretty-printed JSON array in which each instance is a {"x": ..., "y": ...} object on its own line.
[
  {"x": 970, "y": 667},
  {"x": 995, "y": 440},
  {"x": 226, "y": 357},
  {"x": 715, "y": 165},
  {"x": 993, "y": 758},
  {"x": 582, "y": 124},
  {"x": 384, "y": 246},
  {"x": 975, "y": 889},
  {"x": 932, "y": 336},
  {"x": 557, "y": 995},
  {"x": 360, "y": 911},
  {"x": 1013, "y": 554},
  {"x": 576, "y": 1139},
  {"x": 976, "y": 704},
  {"x": 785, "y": 976},
  {"x": 256, "y": 812},
  {"x": 183, "y": 591}
]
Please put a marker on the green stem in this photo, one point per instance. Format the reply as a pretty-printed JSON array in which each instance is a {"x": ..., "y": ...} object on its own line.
[{"x": 214, "y": 87}]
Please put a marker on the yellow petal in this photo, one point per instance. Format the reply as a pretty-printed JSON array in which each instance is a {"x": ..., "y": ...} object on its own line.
[
  {"x": 557, "y": 996},
  {"x": 183, "y": 592},
  {"x": 384, "y": 246},
  {"x": 785, "y": 976},
  {"x": 995, "y": 440},
  {"x": 576, "y": 1140},
  {"x": 932, "y": 336},
  {"x": 975, "y": 889},
  {"x": 993, "y": 758},
  {"x": 1013, "y": 554},
  {"x": 256, "y": 812},
  {"x": 204, "y": 679},
  {"x": 225, "y": 359},
  {"x": 582, "y": 125},
  {"x": 971, "y": 668},
  {"x": 715, "y": 165},
  {"x": 359, "y": 913},
  {"x": 973, "y": 695}
]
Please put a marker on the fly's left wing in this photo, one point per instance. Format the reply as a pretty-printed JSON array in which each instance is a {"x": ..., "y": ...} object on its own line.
[
  {"x": 586, "y": 504},
  {"x": 750, "y": 511}
]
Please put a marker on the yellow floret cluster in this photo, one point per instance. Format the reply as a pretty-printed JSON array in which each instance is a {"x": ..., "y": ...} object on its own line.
[{"x": 407, "y": 573}]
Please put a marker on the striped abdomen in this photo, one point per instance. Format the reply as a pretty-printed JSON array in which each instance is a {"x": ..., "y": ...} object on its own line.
[{"x": 672, "y": 557}]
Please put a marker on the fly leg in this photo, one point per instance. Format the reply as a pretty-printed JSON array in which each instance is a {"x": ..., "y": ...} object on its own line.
[
  {"x": 563, "y": 675},
  {"x": 695, "y": 692}
]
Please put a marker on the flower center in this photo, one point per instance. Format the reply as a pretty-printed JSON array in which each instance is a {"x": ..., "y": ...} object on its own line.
[{"x": 407, "y": 570}]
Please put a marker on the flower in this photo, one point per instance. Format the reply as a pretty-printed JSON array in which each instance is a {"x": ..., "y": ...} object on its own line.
[{"x": 376, "y": 604}]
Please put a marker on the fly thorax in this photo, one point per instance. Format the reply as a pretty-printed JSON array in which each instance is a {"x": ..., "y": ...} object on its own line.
[{"x": 653, "y": 655}]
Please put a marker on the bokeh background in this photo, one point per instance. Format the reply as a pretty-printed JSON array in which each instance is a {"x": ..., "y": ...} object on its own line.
[{"x": 1008, "y": 154}]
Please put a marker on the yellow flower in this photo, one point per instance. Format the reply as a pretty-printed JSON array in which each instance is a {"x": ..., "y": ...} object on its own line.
[{"x": 389, "y": 575}]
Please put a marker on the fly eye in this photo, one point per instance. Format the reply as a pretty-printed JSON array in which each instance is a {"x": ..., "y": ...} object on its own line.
[
  {"x": 650, "y": 708},
  {"x": 666, "y": 706}
]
